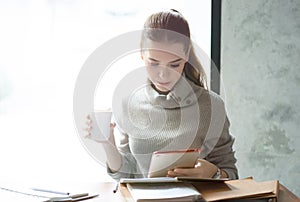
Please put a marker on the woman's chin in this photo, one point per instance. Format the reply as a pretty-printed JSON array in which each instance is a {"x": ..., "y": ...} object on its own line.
[{"x": 163, "y": 89}]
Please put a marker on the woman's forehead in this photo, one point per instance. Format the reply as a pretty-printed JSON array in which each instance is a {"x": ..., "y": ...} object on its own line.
[
  {"x": 165, "y": 49},
  {"x": 162, "y": 56}
]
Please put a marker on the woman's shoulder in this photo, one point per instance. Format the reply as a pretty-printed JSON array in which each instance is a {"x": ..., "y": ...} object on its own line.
[
  {"x": 215, "y": 96},
  {"x": 210, "y": 97}
]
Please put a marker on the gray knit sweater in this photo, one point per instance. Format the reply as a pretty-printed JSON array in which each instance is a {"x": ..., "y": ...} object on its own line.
[{"x": 187, "y": 117}]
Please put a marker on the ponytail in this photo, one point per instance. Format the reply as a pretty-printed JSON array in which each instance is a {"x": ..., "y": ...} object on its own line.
[{"x": 194, "y": 71}]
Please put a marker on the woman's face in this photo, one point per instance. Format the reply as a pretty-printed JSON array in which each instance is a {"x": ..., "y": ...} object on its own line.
[{"x": 164, "y": 67}]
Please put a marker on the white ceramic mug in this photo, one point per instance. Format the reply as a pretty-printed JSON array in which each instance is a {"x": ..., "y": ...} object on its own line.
[{"x": 101, "y": 120}]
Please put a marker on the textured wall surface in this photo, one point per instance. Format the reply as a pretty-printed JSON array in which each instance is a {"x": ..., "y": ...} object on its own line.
[{"x": 260, "y": 60}]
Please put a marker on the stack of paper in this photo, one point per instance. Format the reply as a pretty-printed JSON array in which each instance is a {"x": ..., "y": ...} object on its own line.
[
  {"x": 238, "y": 189},
  {"x": 170, "y": 192},
  {"x": 189, "y": 189},
  {"x": 170, "y": 179}
]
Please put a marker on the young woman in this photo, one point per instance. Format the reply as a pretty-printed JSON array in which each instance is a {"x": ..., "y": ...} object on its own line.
[{"x": 175, "y": 111}]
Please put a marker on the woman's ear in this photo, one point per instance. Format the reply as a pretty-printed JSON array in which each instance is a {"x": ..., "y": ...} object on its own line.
[{"x": 142, "y": 56}]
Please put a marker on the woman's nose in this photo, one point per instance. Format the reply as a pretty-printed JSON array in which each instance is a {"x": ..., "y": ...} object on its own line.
[{"x": 163, "y": 72}]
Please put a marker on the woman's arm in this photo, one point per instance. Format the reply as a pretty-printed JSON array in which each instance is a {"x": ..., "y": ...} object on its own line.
[
  {"x": 221, "y": 157},
  {"x": 216, "y": 151},
  {"x": 119, "y": 160},
  {"x": 114, "y": 158},
  {"x": 127, "y": 167}
]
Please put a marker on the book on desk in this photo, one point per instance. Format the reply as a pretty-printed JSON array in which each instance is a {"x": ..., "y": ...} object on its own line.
[
  {"x": 172, "y": 192},
  {"x": 198, "y": 189}
]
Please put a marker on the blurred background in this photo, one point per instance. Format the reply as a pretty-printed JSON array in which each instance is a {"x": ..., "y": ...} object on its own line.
[{"x": 43, "y": 45}]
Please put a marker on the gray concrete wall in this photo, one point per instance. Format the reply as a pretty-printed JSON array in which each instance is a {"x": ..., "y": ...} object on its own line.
[{"x": 260, "y": 56}]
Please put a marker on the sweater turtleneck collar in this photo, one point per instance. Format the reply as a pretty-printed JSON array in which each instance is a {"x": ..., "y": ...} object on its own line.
[{"x": 184, "y": 93}]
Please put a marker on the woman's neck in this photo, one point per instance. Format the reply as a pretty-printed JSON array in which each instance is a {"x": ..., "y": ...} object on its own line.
[{"x": 160, "y": 92}]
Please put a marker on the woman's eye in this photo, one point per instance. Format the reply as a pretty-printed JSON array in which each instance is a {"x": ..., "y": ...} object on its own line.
[
  {"x": 175, "y": 66},
  {"x": 154, "y": 64}
]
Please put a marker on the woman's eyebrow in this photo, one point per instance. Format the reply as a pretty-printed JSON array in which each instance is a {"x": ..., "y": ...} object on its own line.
[{"x": 177, "y": 60}]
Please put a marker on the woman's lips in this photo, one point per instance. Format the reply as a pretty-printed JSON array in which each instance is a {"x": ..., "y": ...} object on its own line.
[{"x": 163, "y": 83}]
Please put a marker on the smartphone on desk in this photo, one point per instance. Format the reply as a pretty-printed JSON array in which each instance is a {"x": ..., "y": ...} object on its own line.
[{"x": 162, "y": 161}]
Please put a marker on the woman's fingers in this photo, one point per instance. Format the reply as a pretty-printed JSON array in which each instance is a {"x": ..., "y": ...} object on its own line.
[
  {"x": 89, "y": 122},
  {"x": 203, "y": 169},
  {"x": 195, "y": 172},
  {"x": 88, "y": 127},
  {"x": 112, "y": 125},
  {"x": 88, "y": 135}
]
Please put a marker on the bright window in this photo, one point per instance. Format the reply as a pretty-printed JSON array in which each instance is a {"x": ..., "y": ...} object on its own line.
[{"x": 44, "y": 43}]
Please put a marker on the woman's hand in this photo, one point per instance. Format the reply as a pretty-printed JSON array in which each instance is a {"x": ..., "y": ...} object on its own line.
[
  {"x": 203, "y": 169},
  {"x": 89, "y": 127},
  {"x": 112, "y": 154}
]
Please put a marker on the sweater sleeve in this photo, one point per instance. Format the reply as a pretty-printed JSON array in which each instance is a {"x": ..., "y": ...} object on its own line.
[
  {"x": 222, "y": 154},
  {"x": 218, "y": 144},
  {"x": 128, "y": 166}
]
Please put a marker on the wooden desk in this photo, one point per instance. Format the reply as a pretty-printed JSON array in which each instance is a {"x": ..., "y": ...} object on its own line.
[
  {"x": 105, "y": 191},
  {"x": 286, "y": 195}
]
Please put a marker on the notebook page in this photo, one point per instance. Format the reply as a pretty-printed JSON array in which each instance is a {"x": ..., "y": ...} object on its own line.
[{"x": 162, "y": 191}]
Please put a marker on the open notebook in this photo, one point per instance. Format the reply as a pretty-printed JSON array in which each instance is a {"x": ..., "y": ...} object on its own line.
[
  {"x": 170, "y": 179},
  {"x": 168, "y": 189},
  {"x": 171, "y": 192}
]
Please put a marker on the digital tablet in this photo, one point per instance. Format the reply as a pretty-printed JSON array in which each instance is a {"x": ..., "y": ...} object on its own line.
[{"x": 162, "y": 161}]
